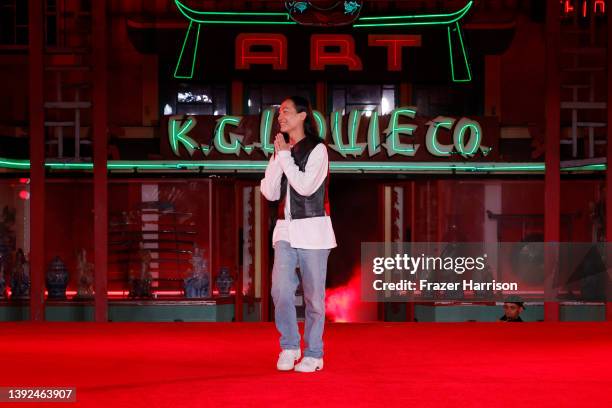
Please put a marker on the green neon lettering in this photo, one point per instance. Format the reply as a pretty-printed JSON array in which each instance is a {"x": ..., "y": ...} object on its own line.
[
  {"x": 393, "y": 145},
  {"x": 473, "y": 144},
  {"x": 235, "y": 140},
  {"x": 336, "y": 123},
  {"x": 373, "y": 135},
  {"x": 178, "y": 133},
  {"x": 353, "y": 148},
  {"x": 431, "y": 138},
  {"x": 265, "y": 128},
  {"x": 321, "y": 124}
]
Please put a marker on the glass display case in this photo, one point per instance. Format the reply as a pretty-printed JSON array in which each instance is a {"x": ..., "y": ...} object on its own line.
[
  {"x": 171, "y": 242},
  {"x": 14, "y": 239}
]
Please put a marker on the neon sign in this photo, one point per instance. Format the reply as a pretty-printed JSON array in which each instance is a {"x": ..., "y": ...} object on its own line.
[
  {"x": 582, "y": 8},
  {"x": 260, "y": 165},
  {"x": 320, "y": 54},
  {"x": 463, "y": 136},
  {"x": 246, "y": 55}
]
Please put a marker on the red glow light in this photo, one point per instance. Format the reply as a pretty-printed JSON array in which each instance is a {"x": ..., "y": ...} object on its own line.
[
  {"x": 341, "y": 303},
  {"x": 277, "y": 56},
  {"x": 320, "y": 56},
  {"x": 394, "y": 44}
]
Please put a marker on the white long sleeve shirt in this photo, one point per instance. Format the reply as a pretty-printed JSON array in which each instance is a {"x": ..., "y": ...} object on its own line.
[{"x": 308, "y": 233}]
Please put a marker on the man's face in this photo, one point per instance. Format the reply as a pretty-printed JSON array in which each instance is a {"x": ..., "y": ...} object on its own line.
[
  {"x": 288, "y": 118},
  {"x": 512, "y": 310}
]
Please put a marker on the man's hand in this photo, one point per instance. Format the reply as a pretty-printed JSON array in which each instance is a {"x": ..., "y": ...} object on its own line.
[{"x": 280, "y": 144}]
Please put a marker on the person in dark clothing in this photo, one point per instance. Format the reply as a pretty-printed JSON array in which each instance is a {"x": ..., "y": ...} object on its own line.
[
  {"x": 297, "y": 176},
  {"x": 512, "y": 311}
]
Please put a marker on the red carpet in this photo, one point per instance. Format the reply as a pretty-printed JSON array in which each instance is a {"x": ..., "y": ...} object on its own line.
[{"x": 366, "y": 364}]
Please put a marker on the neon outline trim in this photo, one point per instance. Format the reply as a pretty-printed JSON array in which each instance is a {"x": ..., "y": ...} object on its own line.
[
  {"x": 261, "y": 165},
  {"x": 24, "y": 164},
  {"x": 194, "y": 56},
  {"x": 459, "y": 13},
  {"x": 191, "y": 15},
  {"x": 463, "y": 52}
]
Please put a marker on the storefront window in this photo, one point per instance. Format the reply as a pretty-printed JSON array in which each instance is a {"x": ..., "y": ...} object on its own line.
[
  {"x": 194, "y": 99},
  {"x": 158, "y": 236},
  {"x": 381, "y": 98},
  {"x": 433, "y": 100},
  {"x": 13, "y": 23},
  {"x": 259, "y": 96},
  {"x": 14, "y": 235},
  {"x": 69, "y": 237}
]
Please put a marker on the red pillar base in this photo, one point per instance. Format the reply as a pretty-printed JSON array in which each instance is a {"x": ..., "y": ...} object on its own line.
[
  {"x": 410, "y": 312},
  {"x": 551, "y": 311}
]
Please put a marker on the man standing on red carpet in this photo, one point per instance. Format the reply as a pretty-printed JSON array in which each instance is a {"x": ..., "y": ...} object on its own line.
[{"x": 298, "y": 176}]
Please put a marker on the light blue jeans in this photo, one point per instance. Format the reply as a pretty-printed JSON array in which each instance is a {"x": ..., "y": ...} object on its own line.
[{"x": 313, "y": 268}]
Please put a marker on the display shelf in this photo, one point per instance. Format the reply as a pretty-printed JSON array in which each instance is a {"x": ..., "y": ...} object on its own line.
[{"x": 152, "y": 240}]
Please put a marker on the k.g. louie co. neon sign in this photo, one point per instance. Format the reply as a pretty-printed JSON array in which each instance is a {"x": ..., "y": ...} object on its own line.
[{"x": 465, "y": 138}]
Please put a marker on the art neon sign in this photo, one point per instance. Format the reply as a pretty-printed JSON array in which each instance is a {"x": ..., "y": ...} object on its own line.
[
  {"x": 463, "y": 136},
  {"x": 320, "y": 55},
  {"x": 185, "y": 66}
]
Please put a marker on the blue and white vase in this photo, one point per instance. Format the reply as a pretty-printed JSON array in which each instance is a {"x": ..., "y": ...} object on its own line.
[
  {"x": 224, "y": 281},
  {"x": 57, "y": 279}
]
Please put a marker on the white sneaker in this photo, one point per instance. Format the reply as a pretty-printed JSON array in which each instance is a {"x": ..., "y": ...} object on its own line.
[
  {"x": 309, "y": 365},
  {"x": 287, "y": 358}
]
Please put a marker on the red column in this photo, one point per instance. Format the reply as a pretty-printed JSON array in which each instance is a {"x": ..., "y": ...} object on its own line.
[
  {"x": 100, "y": 123},
  {"x": 380, "y": 313},
  {"x": 609, "y": 155},
  {"x": 552, "y": 178},
  {"x": 410, "y": 306},
  {"x": 211, "y": 255},
  {"x": 237, "y": 109},
  {"x": 405, "y": 93},
  {"x": 321, "y": 97},
  {"x": 265, "y": 256},
  {"x": 237, "y": 97},
  {"x": 440, "y": 210},
  {"x": 37, "y": 161},
  {"x": 238, "y": 306}
]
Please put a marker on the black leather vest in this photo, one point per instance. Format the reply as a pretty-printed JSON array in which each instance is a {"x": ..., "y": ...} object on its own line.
[{"x": 314, "y": 205}]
